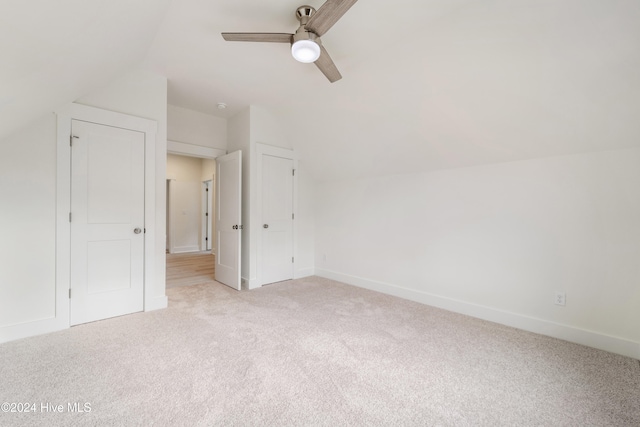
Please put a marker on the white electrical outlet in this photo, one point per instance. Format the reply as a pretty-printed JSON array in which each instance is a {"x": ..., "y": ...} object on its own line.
[{"x": 560, "y": 298}]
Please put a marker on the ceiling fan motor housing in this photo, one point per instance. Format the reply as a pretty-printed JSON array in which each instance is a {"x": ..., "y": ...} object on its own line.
[
  {"x": 304, "y": 13},
  {"x": 305, "y": 44},
  {"x": 303, "y": 34}
]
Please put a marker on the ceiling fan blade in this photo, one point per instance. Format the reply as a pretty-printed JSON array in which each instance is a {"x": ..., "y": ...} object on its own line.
[
  {"x": 326, "y": 65},
  {"x": 258, "y": 37},
  {"x": 328, "y": 14}
]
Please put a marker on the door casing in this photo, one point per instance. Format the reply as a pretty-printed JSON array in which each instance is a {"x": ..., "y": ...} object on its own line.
[{"x": 63, "y": 201}]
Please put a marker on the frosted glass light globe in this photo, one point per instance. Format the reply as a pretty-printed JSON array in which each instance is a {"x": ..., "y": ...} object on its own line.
[{"x": 305, "y": 51}]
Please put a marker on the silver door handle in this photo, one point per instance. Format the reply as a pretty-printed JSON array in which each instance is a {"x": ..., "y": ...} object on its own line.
[
  {"x": 137, "y": 230},
  {"x": 265, "y": 226}
]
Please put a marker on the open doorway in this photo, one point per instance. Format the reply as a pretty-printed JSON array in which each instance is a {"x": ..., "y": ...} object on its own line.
[{"x": 190, "y": 224}]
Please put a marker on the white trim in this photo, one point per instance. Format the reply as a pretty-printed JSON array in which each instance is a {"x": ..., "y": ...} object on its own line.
[
  {"x": 307, "y": 272},
  {"x": 185, "y": 249},
  {"x": 185, "y": 149},
  {"x": 156, "y": 303},
  {"x": 544, "y": 327},
  {"x": 205, "y": 220},
  {"x": 249, "y": 284},
  {"x": 285, "y": 153},
  {"x": 63, "y": 202}
]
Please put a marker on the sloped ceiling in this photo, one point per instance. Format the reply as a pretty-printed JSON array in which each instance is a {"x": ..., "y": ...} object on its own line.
[
  {"x": 427, "y": 84},
  {"x": 53, "y": 52}
]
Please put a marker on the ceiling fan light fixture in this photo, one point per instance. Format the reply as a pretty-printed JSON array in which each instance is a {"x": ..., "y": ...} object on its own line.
[{"x": 306, "y": 51}]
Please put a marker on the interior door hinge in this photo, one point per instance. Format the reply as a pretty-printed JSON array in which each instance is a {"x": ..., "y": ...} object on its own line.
[
  {"x": 293, "y": 172},
  {"x": 69, "y": 293},
  {"x": 292, "y": 259},
  {"x": 293, "y": 216},
  {"x": 69, "y": 216}
]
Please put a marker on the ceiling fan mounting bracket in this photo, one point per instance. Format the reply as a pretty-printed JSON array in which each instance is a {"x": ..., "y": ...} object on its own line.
[{"x": 304, "y": 13}]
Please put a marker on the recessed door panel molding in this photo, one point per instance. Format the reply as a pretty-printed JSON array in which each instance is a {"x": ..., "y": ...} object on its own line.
[
  {"x": 109, "y": 276},
  {"x": 109, "y": 190}
]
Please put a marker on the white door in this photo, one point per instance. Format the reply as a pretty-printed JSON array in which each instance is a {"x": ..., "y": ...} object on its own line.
[
  {"x": 107, "y": 222},
  {"x": 229, "y": 219},
  {"x": 277, "y": 219}
]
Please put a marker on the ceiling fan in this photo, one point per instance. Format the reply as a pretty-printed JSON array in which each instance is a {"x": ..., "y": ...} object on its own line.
[{"x": 305, "y": 43}]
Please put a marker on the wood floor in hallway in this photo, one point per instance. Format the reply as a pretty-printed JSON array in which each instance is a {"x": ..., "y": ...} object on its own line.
[{"x": 191, "y": 268}]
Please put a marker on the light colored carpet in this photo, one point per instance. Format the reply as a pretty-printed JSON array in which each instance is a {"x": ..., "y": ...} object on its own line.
[{"x": 312, "y": 352}]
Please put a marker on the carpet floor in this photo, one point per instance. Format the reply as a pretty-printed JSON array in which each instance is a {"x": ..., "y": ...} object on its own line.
[{"x": 310, "y": 352}]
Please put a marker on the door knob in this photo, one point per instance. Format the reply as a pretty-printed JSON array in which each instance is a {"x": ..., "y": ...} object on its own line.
[
  {"x": 265, "y": 226},
  {"x": 137, "y": 230}
]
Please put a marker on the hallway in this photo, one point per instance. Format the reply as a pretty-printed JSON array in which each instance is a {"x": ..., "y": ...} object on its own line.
[{"x": 191, "y": 268}]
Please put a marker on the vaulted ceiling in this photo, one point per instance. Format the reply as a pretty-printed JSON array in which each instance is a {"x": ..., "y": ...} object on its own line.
[
  {"x": 427, "y": 84},
  {"x": 53, "y": 52}
]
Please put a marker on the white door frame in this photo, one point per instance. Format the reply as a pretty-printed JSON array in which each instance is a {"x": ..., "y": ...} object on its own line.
[
  {"x": 63, "y": 198},
  {"x": 271, "y": 150},
  {"x": 205, "y": 208}
]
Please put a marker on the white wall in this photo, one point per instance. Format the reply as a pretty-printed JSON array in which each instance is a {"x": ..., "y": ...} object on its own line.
[
  {"x": 27, "y": 191},
  {"x": 239, "y": 128},
  {"x": 192, "y": 133},
  {"x": 184, "y": 168},
  {"x": 254, "y": 125},
  {"x": 305, "y": 223},
  {"x": 186, "y": 189},
  {"x": 193, "y": 127},
  {"x": 497, "y": 241},
  {"x": 28, "y": 224},
  {"x": 208, "y": 169},
  {"x": 142, "y": 94}
]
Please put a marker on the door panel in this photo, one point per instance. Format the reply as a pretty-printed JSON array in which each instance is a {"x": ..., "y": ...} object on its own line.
[
  {"x": 112, "y": 276},
  {"x": 277, "y": 216},
  {"x": 229, "y": 219},
  {"x": 109, "y": 188},
  {"x": 107, "y": 205}
]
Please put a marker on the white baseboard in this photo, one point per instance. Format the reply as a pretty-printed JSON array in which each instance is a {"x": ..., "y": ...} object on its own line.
[
  {"x": 540, "y": 326},
  {"x": 183, "y": 249},
  {"x": 306, "y": 272},
  {"x": 250, "y": 283},
  {"x": 31, "y": 329},
  {"x": 156, "y": 303}
]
